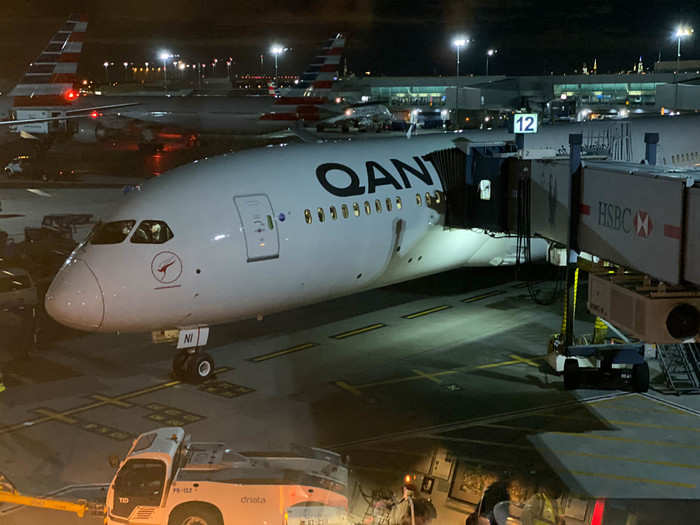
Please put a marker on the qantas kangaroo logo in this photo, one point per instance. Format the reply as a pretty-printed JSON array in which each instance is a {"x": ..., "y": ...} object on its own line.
[{"x": 166, "y": 267}]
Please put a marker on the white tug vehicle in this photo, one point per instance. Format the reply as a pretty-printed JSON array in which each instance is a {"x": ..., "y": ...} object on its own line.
[{"x": 166, "y": 479}]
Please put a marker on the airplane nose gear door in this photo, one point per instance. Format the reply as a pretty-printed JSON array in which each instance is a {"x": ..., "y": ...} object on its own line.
[{"x": 259, "y": 226}]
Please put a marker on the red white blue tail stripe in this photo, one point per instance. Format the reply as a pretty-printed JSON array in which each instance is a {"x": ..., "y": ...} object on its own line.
[{"x": 51, "y": 77}]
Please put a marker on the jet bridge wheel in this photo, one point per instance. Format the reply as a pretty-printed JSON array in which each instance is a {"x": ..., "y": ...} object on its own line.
[
  {"x": 572, "y": 374},
  {"x": 640, "y": 377}
]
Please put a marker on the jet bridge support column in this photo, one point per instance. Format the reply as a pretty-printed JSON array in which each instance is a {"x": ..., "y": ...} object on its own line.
[
  {"x": 651, "y": 140},
  {"x": 575, "y": 142}
]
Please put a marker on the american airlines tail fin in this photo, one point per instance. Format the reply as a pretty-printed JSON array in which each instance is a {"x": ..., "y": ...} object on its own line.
[
  {"x": 50, "y": 79},
  {"x": 316, "y": 82}
]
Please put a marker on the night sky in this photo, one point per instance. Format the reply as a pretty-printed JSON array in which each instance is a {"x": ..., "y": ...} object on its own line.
[{"x": 385, "y": 37}]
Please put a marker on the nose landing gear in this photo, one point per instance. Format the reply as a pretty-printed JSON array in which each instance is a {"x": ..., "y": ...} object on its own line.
[{"x": 193, "y": 364}]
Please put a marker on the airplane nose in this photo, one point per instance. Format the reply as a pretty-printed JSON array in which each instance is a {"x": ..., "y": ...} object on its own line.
[{"x": 75, "y": 297}]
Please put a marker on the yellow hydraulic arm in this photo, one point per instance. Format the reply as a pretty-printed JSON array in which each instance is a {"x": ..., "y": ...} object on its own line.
[{"x": 8, "y": 494}]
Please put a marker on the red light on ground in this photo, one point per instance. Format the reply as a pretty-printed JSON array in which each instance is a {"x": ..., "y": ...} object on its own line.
[
  {"x": 597, "y": 518},
  {"x": 94, "y": 114},
  {"x": 70, "y": 95}
]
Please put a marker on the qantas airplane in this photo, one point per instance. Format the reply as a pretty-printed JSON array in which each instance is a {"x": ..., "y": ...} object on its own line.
[{"x": 266, "y": 230}]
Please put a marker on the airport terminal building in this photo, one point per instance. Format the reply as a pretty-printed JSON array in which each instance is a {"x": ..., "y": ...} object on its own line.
[{"x": 563, "y": 97}]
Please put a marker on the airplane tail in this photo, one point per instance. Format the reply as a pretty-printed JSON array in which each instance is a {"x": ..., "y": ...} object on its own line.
[
  {"x": 50, "y": 78},
  {"x": 272, "y": 89},
  {"x": 316, "y": 82},
  {"x": 325, "y": 68}
]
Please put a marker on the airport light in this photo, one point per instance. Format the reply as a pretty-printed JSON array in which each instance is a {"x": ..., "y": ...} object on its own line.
[
  {"x": 459, "y": 42},
  {"x": 681, "y": 32},
  {"x": 106, "y": 66},
  {"x": 164, "y": 56},
  {"x": 489, "y": 54},
  {"x": 277, "y": 50}
]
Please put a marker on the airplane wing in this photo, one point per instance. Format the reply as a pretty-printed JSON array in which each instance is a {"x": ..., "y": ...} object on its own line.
[{"x": 74, "y": 113}]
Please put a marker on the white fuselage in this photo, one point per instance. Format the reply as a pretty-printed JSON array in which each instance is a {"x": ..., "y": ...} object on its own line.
[
  {"x": 242, "y": 243},
  {"x": 265, "y": 230}
]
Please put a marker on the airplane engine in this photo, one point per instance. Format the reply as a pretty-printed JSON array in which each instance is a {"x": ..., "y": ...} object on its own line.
[{"x": 89, "y": 132}]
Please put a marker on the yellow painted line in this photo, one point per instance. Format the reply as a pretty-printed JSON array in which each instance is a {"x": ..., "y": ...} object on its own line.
[
  {"x": 348, "y": 387},
  {"x": 112, "y": 401},
  {"x": 525, "y": 360},
  {"x": 358, "y": 331},
  {"x": 608, "y": 457},
  {"x": 433, "y": 376},
  {"x": 49, "y": 415},
  {"x": 592, "y": 436},
  {"x": 429, "y": 377},
  {"x": 482, "y": 296},
  {"x": 630, "y": 478},
  {"x": 154, "y": 388},
  {"x": 404, "y": 379},
  {"x": 501, "y": 363},
  {"x": 280, "y": 353},
  {"x": 427, "y": 312},
  {"x": 55, "y": 415},
  {"x": 666, "y": 407}
]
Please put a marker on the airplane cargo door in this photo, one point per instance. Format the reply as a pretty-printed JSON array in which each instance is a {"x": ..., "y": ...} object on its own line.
[{"x": 258, "y": 226}]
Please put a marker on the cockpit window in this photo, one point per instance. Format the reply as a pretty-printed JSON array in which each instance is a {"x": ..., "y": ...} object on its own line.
[
  {"x": 152, "y": 232},
  {"x": 111, "y": 232}
]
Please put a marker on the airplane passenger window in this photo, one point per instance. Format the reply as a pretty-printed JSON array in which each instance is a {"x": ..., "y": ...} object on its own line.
[
  {"x": 378, "y": 206},
  {"x": 111, "y": 232},
  {"x": 398, "y": 203},
  {"x": 321, "y": 214},
  {"x": 428, "y": 199},
  {"x": 419, "y": 200},
  {"x": 307, "y": 216},
  {"x": 152, "y": 232},
  {"x": 334, "y": 214},
  {"x": 344, "y": 207},
  {"x": 388, "y": 204},
  {"x": 368, "y": 208},
  {"x": 356, "y": 209}
]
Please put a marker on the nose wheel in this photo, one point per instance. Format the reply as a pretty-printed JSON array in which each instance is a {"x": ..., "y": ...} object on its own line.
[{"x": 193, "y": 366}]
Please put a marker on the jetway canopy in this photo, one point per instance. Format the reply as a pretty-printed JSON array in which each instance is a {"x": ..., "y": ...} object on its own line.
[{"x": 637, "y": 216}]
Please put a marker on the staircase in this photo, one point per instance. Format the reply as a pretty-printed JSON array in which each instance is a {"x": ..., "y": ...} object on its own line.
[{"x": 681, "y": 367}]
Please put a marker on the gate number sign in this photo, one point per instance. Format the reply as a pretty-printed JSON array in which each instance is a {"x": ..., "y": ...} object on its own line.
[{"x": 525, "y": 123}]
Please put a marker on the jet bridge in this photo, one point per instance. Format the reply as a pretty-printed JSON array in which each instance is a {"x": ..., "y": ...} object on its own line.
[
  {"x": 634, "y": 227},
  {"x": 640, "y": 224},
  {"x": 642, "y": 219}
]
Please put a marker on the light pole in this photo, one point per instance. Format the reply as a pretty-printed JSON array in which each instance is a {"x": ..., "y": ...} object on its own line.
[
  {"x": 164, "y": 56},
  {"x": 459, "y": 42},
  {"x": 277, "y": 50},
  {"x": 126, "y": 65},
  {"x": 106, "y": 65},
  {"x": 489, "y": 54},
  {"x": 681, "y": 31}
]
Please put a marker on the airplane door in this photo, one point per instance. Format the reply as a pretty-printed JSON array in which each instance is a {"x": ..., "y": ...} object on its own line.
[{"x": 259, "y": 227}]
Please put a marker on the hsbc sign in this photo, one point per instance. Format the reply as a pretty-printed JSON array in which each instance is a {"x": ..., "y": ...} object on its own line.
[
  {"x": 624, "y": 219},
  {"x": 633, "y": 220}
]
